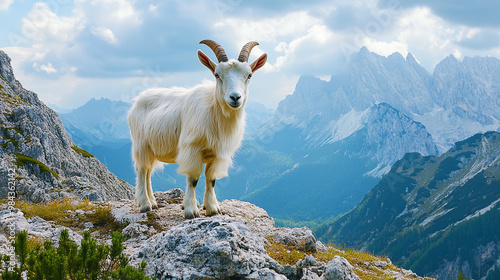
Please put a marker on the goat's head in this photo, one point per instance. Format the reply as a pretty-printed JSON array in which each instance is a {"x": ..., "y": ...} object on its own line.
[{"x": 232, "y": 76}]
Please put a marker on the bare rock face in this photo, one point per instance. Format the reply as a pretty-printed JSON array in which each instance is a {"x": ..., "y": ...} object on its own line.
[
  {"x": 213, "y": 248},
  {"x": 38, "y": 158}
]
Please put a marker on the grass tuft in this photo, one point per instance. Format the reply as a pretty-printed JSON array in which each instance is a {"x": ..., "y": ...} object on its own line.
[
  {"x": 363, "y": 262},
  {"x": 63, "y": 212},
  {"x": 22, "y": 160},
  {"x": 82, "y": 152}
]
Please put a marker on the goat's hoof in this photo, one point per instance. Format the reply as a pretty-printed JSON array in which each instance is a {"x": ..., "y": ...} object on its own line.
[
  {"x": 214, "y": 211},
  {"x": 154, "y": 205},
  {"x": 191, "y": 215},
  {"x": 146, "y": 208}
]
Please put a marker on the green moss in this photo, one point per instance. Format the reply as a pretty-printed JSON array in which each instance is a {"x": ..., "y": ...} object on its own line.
[
  {"x": 22, "y": 160},
  {"x": 82, "y": 152},
  {"x": 17, "y": 130},
  {"x": 12, "y": 140}
]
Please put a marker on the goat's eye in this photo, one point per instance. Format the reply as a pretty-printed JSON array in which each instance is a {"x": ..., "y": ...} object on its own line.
[
  {"x": 216, "y": 75},
  {"x": 249, "y": 76}
]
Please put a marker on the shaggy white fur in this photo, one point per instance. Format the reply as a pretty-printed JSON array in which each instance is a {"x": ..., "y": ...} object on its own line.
[{"x": 191, "y": 127}]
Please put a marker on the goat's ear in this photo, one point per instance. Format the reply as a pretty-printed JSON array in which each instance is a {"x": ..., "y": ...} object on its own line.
[
  {"x": 206, "y": 61},
  {"x": 259, "y": 62}
]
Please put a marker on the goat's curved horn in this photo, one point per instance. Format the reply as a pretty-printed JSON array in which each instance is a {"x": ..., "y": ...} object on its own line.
[
  {"x": 245, "y": 51},
  {"x": 217, "y": 48}
]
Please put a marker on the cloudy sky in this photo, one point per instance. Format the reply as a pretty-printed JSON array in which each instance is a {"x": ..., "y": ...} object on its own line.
[{"x": 69, "y": 51}]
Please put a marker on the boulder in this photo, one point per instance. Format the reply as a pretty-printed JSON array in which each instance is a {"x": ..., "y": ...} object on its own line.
[{"x": 209, "y": 248}]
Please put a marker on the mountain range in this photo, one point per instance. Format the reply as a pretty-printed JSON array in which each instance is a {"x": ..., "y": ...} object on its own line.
[
  {"x": 338, "y": 137},
  {"x": 329, "y": 142},
  {"x": 437, "y": 215}
]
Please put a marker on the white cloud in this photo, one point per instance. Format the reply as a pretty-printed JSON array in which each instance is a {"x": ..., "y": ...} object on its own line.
[
  {"x": 318, "y": 36},
  {"x": 49, "y": 69},
  {"x": 110, "y": 13},
  {"x": 386, "y": 48},
  {"x": 43, "y": 25},
  {"x": 290, "y": 34},
  {"x": 104, "y": 33},
  {"x": 5, "y": 4},
  {"x": 268, "y": 29},
  {"x": 153, "y": 9}
]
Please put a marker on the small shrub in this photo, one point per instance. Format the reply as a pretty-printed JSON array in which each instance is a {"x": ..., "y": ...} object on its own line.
[
  {"x": 68, "y": 261},
  {"x": 153, "y": 221},
  {"x": 103, "y": 218},
  {"x": 82, "y": 152}
]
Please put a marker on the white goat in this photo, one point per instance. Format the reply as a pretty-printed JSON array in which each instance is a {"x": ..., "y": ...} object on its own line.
[{"x": 192, "y": 127}]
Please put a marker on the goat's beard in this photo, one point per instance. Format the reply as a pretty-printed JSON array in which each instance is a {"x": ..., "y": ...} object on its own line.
[{"x": 225, "y": 109}]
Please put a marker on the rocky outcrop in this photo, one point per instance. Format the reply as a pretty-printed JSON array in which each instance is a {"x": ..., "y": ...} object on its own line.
[
  {"x": 229, "y": 246},
  {"x": 38, "y": 158},
  {"x": 213, "y": 248}
]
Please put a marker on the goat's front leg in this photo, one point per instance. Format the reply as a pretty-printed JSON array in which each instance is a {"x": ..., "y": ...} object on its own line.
[
  {"x": 210, "y": 202},
  {"x": 190, "y": 204}
]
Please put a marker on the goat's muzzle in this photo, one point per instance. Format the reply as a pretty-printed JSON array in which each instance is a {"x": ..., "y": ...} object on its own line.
[{"x": 235, "y": 100}]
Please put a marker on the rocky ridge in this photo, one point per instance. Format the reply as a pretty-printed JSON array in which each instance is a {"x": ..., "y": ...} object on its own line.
[
  {"x": 437, "y": 215},
  {"x": 234, "y": 245},
  {"x": 38, "y": 158}
]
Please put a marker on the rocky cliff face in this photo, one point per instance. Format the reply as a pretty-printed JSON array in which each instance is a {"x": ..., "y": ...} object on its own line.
[
  {"x": 240, "y": 244},
  {"x": 38, "y": 158},
  {"x": 437, "y": 215}
]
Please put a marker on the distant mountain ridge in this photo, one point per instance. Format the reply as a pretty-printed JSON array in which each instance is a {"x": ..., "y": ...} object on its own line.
[
  {"x": 437, "y": 215},
  {"x": 461, "y": 95},
  {"x": 428, "y": 114}
]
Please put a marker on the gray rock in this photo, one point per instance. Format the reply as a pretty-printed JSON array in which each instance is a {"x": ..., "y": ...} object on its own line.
[
  {"x": 169, "y": 197},
  {"x": 252, "y": 216},
  {"x": 309, "y": 275},
  {"x": 210, "y": 248},
  {"x": 88, "y": 225},
  {"x": 124, "y": 211},
  {"x": 308, "y": 261},
  {"x": 134, "y": 230},
  {"x": 380, "y": 264},
  {"x": 302, "y": 238},
  {"x": 11, "y": 222},
  {"x": 339, "y": 269},
  {"x": 265, "y": 274}
]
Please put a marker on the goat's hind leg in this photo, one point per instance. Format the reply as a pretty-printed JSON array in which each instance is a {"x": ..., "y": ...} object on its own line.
[
  {"x": 141, "y": 192},
  {"x": 151, "y": 197}
]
